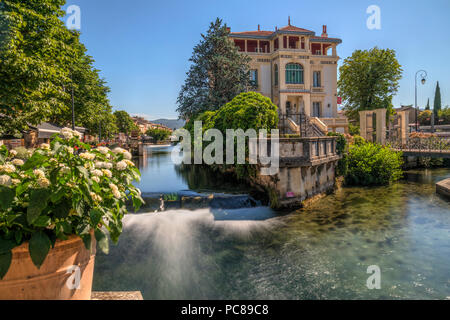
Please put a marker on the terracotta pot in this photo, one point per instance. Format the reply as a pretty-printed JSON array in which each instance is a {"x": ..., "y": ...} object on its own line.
[{"x": 66, "y": 273}]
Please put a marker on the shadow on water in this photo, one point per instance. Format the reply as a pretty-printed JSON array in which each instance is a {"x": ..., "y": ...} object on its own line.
[{"x": 321, "y": 252}]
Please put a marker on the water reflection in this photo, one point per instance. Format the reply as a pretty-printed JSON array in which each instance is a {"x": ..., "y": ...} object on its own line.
[{"x": 161, "y": 175}]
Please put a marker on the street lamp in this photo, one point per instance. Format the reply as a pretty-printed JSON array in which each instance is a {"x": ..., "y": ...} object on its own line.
[{"x": 423, "y": 75}]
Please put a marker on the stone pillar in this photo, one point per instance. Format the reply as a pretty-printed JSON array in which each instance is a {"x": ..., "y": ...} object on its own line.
[
  {"x": 381, "y": 126},
  {"x": 307, "y": 102},
  {"x": 363, "y": 124},
  {"x": 403, "y": 122},
  {"x": 245, "y": 45},
  {"x": 283, "y": 99}
]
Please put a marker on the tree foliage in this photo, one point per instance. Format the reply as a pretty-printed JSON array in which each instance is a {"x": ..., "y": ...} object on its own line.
[
  {"x": 372, "y": 164},
  {"x": 248, "y": 110},
  {"x": 158, "y": 134},
  {"x": 368, "y": 80},
  {"x": 41, "y": 62},
  {"x": 217, "y": 74},
  {"x": 124, "y": 122}
]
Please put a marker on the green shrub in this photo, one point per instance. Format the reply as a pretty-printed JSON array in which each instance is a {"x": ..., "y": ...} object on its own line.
[
  {"x": 373, "y": 164},
  {"x": 353, "y": 129},
  {"x": 23, "y": 153},
  {"x": 158, "y": 134}
]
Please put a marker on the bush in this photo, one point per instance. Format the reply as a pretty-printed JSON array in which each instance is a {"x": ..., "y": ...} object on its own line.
[
  {"x": 65, "y": 188},
  {"x": 373, "y": 164},
  {"x": 425, "y": 118},
  {"x": 353, "y": 129},
  {"x": 158, "y": 134},
  {"x": 444, "y": 115}
]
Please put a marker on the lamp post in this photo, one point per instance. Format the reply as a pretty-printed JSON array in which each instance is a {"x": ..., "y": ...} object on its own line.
[{"x": 423, "y": 75}]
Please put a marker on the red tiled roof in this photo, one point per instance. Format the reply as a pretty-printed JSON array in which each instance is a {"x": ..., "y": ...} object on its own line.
[
  {"x": 293, "y": 28},
  {"x": 253, "y": 33}
]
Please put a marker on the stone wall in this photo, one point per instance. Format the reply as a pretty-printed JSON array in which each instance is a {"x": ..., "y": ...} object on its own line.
[{"x": 307, "y": 168}]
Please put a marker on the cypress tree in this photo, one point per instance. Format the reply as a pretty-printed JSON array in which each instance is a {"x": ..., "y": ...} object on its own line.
[
  {"x": 428, "y": 105},
  {"x": 217, "y": 74},
  {"x": 437, "y": 101}
]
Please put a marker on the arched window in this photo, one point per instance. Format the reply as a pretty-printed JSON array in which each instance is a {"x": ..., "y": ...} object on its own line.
[
  {"x": 275, "y": 75},
  {"x": 294, "y": 73}
]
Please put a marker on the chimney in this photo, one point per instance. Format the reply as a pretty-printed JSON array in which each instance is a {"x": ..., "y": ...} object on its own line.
[
  {"x": 289, "y": 20},
  {"x": 324, "y": 31},
  {"x": 276, "y": 28},
  {"x": 259, "y": 28}
]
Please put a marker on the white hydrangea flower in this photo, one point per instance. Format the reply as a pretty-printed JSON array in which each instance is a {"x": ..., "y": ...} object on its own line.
[
  {"x": 5, "y": 180},
  {"x": 107, "y": 173},
  {"x": 8, "y": 168},
  {"x": 121, "y": 165},
  {"x": 99, "y": 164},
  {"x": 39, "y": 173},
  {"x": 130, "y": 163},
  {"x": 45, "y": 146},
  {"x": 43, "y": 182},
  {"x": 119, "y": 150},
  {"x": 87, "y": 156},
  {"x": 13, "y": 153},
  {"x": 96, "y": 197},
  {"x": 67, "y": 133},
  {"x": 96, "y": 179},
  {"x": 107, "y": 165},
  {"x": 76, "y": 134},
  {"x": 115, "y": 191},
  {"x": 15, "y": 181},
  {"x": 103, "y": 150},
  {"x": 69, "y": 149},
  {"x": 97, "y": 173},
  {"x": 65, "y": 170},
  {"x": 127, "y": 155},
  {"x": 17, "y": 162}
]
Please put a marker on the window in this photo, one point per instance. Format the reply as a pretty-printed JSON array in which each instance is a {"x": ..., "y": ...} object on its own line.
[
  {"x": 294, "y": 73},
  {"x": 275, "y": 80},
  {"x": 254, "y": 77},
  {"x": 316, "y": 109},
  {"x": 316, "y": 79}
]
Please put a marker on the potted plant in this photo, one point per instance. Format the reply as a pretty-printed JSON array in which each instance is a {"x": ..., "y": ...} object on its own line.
[{"x": 54, "y": 207}]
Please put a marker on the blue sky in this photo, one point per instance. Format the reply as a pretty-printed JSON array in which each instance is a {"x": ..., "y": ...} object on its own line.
[{"x": 142, "y": 47}]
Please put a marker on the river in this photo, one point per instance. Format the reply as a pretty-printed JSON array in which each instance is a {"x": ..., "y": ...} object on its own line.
[{"x": 252, "y": 252}]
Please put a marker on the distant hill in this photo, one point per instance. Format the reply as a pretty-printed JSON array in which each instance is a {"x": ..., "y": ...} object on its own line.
[{"x": 170, "y": 123}]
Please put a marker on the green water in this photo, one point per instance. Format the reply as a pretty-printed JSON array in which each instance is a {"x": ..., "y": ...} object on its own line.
[{"x": 322, "y": 252}]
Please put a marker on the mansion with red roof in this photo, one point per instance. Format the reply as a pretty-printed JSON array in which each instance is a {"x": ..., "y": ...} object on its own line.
[{"x": 293, "y": 67}]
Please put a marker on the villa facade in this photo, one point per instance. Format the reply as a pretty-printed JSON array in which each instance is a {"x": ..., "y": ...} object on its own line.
[{"x": 295, "y": 68}]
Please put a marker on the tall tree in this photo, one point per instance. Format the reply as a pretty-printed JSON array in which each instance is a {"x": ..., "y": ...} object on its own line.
[
  {"x": 217, "y": 74},
  {"x": 428, "y": 105},
  {"x": 124, "y": 122},
  {"x": 41, "y": 63},
  {"x": 368, "y": 80},
  {"x": 32, "y": 53},
  {"x": 437, "y": 101}
]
